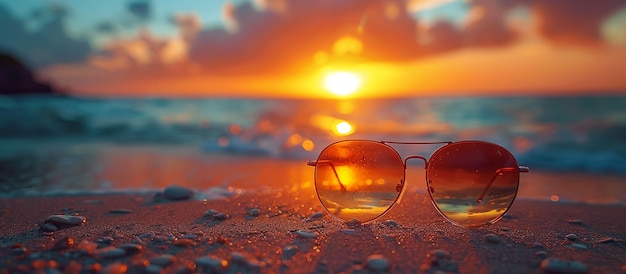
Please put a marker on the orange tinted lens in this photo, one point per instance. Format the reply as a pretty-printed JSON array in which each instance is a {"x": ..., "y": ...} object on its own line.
[
  {"x": 358, "y": 179},
  {"x": 472, "y": 183}
]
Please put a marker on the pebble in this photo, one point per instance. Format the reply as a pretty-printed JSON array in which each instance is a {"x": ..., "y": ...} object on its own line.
[
  {"x": 353, "y": 223},
  {"x": 579, "y": 246},
  {"x": 120, "y": 211},
  {"x": 572, "y": 237},
  {"x": 306, "y": 234},
  {"x": 221, "y": 216},
  {"x": 87, "y": 246},
  {"x": 184, "y": 242},
  {"x": 538, "y": 245},
  {"x": 439, "y": 254},
  {"x": 377, "y": 262},
  {"x": 65, "y": 220},
  {"x": 289, "y": 251},
  {"x": 575, "y": 221},
  {"x": 255, "y": 212},
  {"x": 19, "y": 251},
  {"x": 111, "y": 252},
  {"x": 316, "y": 215},
  {"x": 49, "y": 227},
  {"x": 492, "y": 238},
  {"x": 541, "y": 254},
  {"x": 177, "y": 193},
  {"x": 237, "y": 258},
  {"x": 115, "y": 268},
  {"x": 153, "y": 269},
  {"x": 390, "y": 223},
  {"x": 131, "y": 248},
  {"x": 162, "y": 260},
  {"x": 439, "y": 261},
  {"x": 348, "y": 231},
  {"x": 210, "y": 212},
  {"x": 554, "y": 266},
  {"x": 63, "y": 243},
  {"x": 212, "y": 263}
]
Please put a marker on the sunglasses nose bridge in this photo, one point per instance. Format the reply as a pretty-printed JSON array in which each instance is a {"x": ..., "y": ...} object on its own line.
[{"x": 415, "y": 157}]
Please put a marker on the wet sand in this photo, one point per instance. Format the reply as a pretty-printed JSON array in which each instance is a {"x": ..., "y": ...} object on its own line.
[{"x": 275, "y": 240}]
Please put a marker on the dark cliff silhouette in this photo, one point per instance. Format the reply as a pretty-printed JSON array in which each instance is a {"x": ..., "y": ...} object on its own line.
[{"x": 15, "y": 78}]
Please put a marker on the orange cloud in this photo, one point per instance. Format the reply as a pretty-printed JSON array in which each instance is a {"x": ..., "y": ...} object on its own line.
[{"x": 282, "y": 45}]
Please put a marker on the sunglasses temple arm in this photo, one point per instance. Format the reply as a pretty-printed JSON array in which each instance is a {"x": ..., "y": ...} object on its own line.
[
  {"x": 498, "y": 173},
  {"x": 315, "y": 163}
]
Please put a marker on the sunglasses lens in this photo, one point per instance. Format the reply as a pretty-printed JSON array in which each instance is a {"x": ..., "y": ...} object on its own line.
[
  {"x": 358, "y": 179},
  {"x": 472, "y": 183}
]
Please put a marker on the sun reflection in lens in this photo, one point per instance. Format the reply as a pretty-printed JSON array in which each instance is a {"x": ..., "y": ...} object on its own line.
[{"x": 343, "y": 128}]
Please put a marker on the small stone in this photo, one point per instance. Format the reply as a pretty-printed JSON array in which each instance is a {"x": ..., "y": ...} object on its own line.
[
  {"x": 211, "y": 264},
  {"x": 63, "y": 243},
  {"x": 439, "y": 254},
  {"x": 553, "y": 265},
  {"x": 316, "y": 215},
  {"x": 572, "y": 237},
  {"x": 210, "y": 212},
  {"x": 579, "y": 246},
  {"x": 221, "y": 216},
  {"x": 120, "y": 211},
  {"x": 348, "y": 231},
  {"x": 606, "y": 240},
  {"x": 306, "y": 234},
  {"x": 390, "y": 223},
  {"x": 353, "y": 223},
  {"x": 184, "y": 242},
  {"x": 575, "y": 221},
  {"x": 492, "y": 238},
  {"x": 255, "y": 266},
  {"x": 48, "y": 227},
  {"x": 377, "y": 262},
  {"x": 131, "y": 248},
  {"x": 87, "y": 246},
  {"x": 105, "y": 240},
  {"x": 255, "y": 212},
  {"x": 237, "y": 258},
  {"x": 20, "y": 250},
  {"x": 538, "y": 245},
  {"x": 115, "y": 268},
  {"x": 162, "y": 260},
  {"x": 65, "y": 220},
  {"x": 111, "y": 252},
  {"x": 289, "y": 251},
  {"x": 153, "y": 269},
  {"x": 177, "y": 193}
]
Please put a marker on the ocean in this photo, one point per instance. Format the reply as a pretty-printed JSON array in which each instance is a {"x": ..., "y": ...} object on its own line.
[{"x": 583, "y": 135}]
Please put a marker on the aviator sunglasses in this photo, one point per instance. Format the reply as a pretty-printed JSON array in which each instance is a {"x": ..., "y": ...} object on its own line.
[{"x": 470, "y": 183}]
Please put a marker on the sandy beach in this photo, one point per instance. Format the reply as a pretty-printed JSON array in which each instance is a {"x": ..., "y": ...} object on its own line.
[
  {"x": 114, "y": 212},
  {"x": 284, "y": 232}
]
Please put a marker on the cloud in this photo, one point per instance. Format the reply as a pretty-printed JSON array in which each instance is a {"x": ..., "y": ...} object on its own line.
[
  {"x": 48, "y": 44},
  {"x": 140, "y": 9},
  {"x": 573, "y": 21},
  {"x": 289, "y": 36}
]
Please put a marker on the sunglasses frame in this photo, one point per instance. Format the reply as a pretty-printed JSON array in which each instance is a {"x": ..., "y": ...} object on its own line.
[{"x": 401, "y": 187}]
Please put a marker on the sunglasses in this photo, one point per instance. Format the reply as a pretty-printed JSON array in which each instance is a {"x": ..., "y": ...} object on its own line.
[{"x": 470, "y": 183}]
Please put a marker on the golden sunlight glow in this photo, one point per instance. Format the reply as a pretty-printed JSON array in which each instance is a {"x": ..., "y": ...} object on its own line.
[
  {"x": 342, "y": 83},
  {"x": 343, "y": 128}
]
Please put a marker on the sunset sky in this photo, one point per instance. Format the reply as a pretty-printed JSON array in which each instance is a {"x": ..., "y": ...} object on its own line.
[{"x": 287, "y": 48}]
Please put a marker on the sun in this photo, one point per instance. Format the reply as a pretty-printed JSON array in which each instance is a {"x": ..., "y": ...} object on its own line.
[{"x": 342, "y": 83}]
